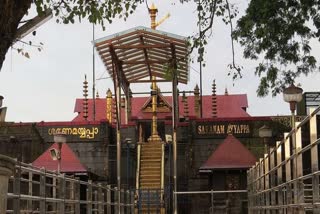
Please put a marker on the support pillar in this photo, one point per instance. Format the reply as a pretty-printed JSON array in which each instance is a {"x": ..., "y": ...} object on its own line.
[
  {"x": 174, "y": 139},
  {"x": 7, "y": 165},
  {"x": 118, "y": 100}
]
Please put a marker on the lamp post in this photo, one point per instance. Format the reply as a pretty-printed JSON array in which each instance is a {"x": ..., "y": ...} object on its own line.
[
  {"x": 59, "y": 139},
  {"x": 293, "y": 95},
  {"x": 265, "y": 133},
  {"x": 2, "y": 110}
]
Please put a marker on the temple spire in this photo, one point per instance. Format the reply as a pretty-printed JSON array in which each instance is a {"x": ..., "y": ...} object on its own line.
[
  {"x": 185, "y": 105},
  {"x": 154, "y": 126},
  {"x": 85, "y": 100},
  {"x": 214, "y": 99}
]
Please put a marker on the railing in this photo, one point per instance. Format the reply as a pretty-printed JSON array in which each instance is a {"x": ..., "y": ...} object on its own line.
[
  {"x": 33, "y": 190},
  {"x": 212, "y": 201},
  {"x": 286, "y": 180}
]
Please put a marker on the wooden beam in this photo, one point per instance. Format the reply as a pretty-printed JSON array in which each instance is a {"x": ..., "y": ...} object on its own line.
[
  {"x": 141, "y": 46},
  {"x": 147, "y": 81},
  {"x": 146, "y": 56},
  {"x": 138, "y": 77},
  {"x": 119, "y": 71},
  {"x": 146, "y": 62}
]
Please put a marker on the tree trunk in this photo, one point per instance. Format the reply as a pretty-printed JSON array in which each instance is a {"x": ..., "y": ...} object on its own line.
[{"x": 12, "y": 11}]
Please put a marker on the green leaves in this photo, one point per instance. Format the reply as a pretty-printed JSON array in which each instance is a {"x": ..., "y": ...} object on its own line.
[
  {"x": 275, "y": 33},
  {"x": 278, "y": 32},
  {"x": 96, "y": 11}
]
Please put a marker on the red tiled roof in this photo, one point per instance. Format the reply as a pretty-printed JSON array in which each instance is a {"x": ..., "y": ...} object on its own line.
[
  {"x": 69, "y": 161},
  {"x": 230, "y": 154},
  {"x": 228, "y": 106}
]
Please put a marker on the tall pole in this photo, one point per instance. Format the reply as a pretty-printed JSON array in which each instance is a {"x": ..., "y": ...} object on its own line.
[
  {"x": 174, "y": 139},
  {"x": 293, "y": 95},
  {"x": 295, "y": 168},
  {"x": 118, "y": 97},
  {"x": 154, "y": 89},
  {"x": 200, "y": 62},
  {"x": 93, "y": 77}
]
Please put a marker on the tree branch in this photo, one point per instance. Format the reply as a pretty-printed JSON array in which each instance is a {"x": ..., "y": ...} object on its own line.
[{"x": 234, "y": 66}]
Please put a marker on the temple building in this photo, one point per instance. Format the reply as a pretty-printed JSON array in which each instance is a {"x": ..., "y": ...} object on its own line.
[
  {"x": 213, "y": 151},
  {"x": 153, "y": 141}
]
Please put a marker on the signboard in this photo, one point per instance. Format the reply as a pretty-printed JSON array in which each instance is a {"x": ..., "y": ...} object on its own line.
[
  {"x": 82, "y": 133},
  {"x": 222, "y": 129},
  {"x": 74, "y": 133}
]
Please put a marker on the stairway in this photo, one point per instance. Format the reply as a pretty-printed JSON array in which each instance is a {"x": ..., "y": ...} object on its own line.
[{"x": 149, "y": 180}]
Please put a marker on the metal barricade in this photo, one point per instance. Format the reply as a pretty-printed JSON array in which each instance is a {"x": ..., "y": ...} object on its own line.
[
  {"x": 33, "y": 190},
  {"x": 226, "y": 201},
  {"x": 286, "y": 180}
]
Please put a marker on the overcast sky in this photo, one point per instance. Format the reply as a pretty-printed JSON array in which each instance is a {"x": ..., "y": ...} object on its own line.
[{"x": 44, "y": 87}]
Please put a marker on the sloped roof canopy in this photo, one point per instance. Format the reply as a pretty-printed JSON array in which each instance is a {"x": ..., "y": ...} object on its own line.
[
  {"x": 69, "y": 161},
  {"x": 230, "y": 154},
  {"x": 137, "y": 54}
]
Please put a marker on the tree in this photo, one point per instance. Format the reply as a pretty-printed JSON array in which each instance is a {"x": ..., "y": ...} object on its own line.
[
  {"x": 65, "y": 11},
  {"x": 276, "y": 32}
]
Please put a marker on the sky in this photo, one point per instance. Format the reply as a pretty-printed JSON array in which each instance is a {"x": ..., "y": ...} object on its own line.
[{"x": 45, "y": 87}]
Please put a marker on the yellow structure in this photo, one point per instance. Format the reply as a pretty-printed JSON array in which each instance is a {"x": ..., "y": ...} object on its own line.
[{"x": 109, "y": 106}]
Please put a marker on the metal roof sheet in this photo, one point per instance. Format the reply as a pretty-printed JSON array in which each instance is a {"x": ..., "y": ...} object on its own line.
[
  {"x": 70, "y": 163},
  {"x": 140, "y": 53},
  {"x": 230, "y": 154}
]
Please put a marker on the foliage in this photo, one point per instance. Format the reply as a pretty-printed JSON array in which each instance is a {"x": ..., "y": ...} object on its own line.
[
  {"x": 277, "y": 33},
  {"x": 95, "y": 11}
]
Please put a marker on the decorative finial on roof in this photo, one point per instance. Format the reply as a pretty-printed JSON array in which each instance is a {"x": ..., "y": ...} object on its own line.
[
  {"x": 109, "y": 93},
  {"x": 153, "y": 13},
  {"x": 109, "y": 107},
  {"x": 97, "y": 95},
  {"x": 226, "y": 91},
  {"x": 196, "y": 90},
  {"x": 85, "y": 100},
  {"x": 153, "y": 7},
  {"x": 185, "y": 105},
  {"x": 214, "y": 99}
]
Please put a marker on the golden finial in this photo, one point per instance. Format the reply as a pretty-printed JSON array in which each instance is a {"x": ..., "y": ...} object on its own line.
[
  {"x": 153, "y": 7},
  {"x": 109, "y": 93},
  {"x": 109, "y": 107},
  {"x": 97, "y": 95},
  {"x": 153, "y": 13}
]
